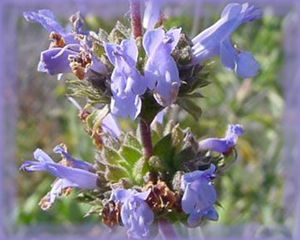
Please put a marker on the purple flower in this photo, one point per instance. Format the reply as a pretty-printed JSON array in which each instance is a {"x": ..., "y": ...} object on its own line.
[
  {"x": 56, "y": 59},
  {"x": 159, "y": 118},
  {"x": 77, "y": 175},
  {"x": 151, "y": 14},
  {"x": 215, "y": 40},
  {"x": 199, "y": 196},
  {"x": 160, "y": 70},
  {"x": 110, "y": 125},
  {"x": 222, "y": 145},
  {"x": 126, "y": 81},
  {"x": 53, "y": 61},
  {"x": 136, "y": 215}
]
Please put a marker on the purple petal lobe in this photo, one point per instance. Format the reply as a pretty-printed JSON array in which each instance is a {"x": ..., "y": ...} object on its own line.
[
  {"x": 54, "y": 61},
  {"x": 126, "y": 106},
  {"x": 46, "y": 19},
  {"x": 110, "y": 125},
  {"x": 151, "y": 14},
  {"x": 72, "y": 161},
  {"x": 246, "y": 65},
  {"x": 222, "y": 145}
]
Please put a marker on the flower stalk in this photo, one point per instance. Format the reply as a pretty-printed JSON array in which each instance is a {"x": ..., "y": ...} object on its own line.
[
  {"x": 146, "y": 138},
  {"x": 136, "y": 23}
]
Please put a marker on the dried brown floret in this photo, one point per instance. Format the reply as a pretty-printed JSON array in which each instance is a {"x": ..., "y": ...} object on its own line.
[
  {"x": 57, "y": 40},
  {"x": 111, "y": 214},
  {"x": 161, "y": 197}
]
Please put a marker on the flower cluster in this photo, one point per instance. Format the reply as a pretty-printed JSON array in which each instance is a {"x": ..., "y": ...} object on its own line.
[{"x": 151, "y": 175}]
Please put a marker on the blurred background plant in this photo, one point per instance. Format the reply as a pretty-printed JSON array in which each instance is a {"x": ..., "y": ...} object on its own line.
[{"x": 251, "y": 191}]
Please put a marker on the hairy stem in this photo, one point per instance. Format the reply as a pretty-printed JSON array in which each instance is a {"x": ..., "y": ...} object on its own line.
[
  {"x": 166, "y": 230},
  {"x": 136, "y": 24},
  {"x": 146, "y": 138}
]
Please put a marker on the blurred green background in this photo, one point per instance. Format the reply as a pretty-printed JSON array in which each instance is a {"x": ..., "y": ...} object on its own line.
[{"x": 252, "y": 191}]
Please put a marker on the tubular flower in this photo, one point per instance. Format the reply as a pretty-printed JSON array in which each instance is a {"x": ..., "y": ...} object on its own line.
[
  {"x": 151, "y": 14},
  {"x": 136, "y": 215},
  {"x": 161, "y": 70},
  {"x": 54, "y": 60},
  {"x": 110, "y": 125},
  {"x": 199, "y": 196},
  {"x": 215, "y": 40},
  {"x": 222, "y": 145},
  {"x": 76, "y": 175},
  {"x": 72, "y": 162},
  {"x": 126, "y": 82}
]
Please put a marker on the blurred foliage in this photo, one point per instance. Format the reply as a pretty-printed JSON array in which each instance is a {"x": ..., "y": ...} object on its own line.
[{"x": 250, "y": 191}]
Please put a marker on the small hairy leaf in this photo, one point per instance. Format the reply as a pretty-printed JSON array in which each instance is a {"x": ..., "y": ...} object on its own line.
[
  {"x": 140, "y": 169},
  {"x": 164, "y": 148},
  {"x": 190, "y": 107},
  {"x": 132, "y": 141},
  {"x": 130, "y": 155},
  {"x": 115, "y": 173}
]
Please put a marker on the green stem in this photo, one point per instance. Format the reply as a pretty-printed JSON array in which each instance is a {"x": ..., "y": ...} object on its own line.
[{"x": 136, "y": 24}]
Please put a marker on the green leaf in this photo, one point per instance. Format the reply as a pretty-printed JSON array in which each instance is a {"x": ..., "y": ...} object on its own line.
[
  {"x": 169, "y": 127},
  {"x": 140, "y": 169},
  {"x": 119, "y": 33},
  {"x": 132, "y": 141},
  {"x": 123, "y": 29},
  {"x": 110, "y": 155},
  {"x": 156, "y": 164},
  {"x": 177, "y": 137},
  {"x": 183, "y": 156},
  {"x": 130, "y": 154},
  {"x": 193, "y": 95},
  {"x": 155, "y": 137},
  {"x": 102, "y": 35},
  {"x": 164, "y": 149},
  {"x": 115, "y": 173},
  {"x": 97, "y": 209},
  {"x": 190, "y": 107},
  {"x": 200, "y": 81},
  {"x": 85, "y": 197},
  {"x": 95, "y": 118}
]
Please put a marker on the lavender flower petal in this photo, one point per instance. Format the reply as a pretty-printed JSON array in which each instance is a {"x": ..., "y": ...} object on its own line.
[
  {"x": 75, "y": 163},
  {"x": 151, "y": 14},
  {"x": 126, "y": 106},
  {"x": 46, "y": 19},
  {"x": 246, "y": 65},
  {"x": 110, "y": 125},
  {"x": 222, "y": 145},
  {"x": 54, "y": 61}
]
